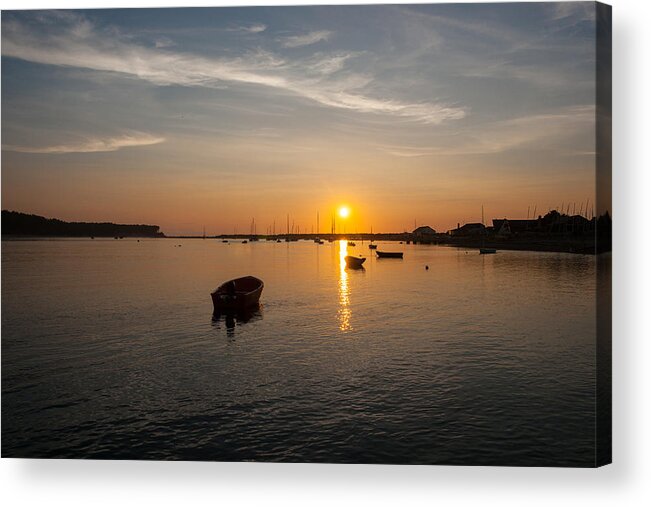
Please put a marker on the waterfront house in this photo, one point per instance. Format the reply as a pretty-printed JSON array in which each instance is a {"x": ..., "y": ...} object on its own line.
[
  {"x": 472, "y": 229},
  {"x": 423, "y": 232},
  {"x": 506, "y": 227}
]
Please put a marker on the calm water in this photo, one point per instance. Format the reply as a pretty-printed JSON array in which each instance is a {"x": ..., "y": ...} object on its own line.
[{"x": 109, "y": 350}]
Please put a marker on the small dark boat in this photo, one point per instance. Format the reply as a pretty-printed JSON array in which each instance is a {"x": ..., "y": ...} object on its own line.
[
  {"x": 388, "y": 255},
  {"x": 224, "y": 241},
  {"x": 354, "y": 262},
  {"x": 372, "y": 246},
  {"x": 351, "y": 243},
  {"x": 278, "y": 241},
  {"x": 245, "y": 242},
  {"x": 483, "y": 249},
  {"x": 237, "y": 294}
]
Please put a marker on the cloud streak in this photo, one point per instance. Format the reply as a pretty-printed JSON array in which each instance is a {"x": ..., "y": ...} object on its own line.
[
  {"x": 532, "y": 131},
  {"x": 254, "y": 28},
  {"x": 257, "y": 28},
  {"x": 297, "y": 41},
  {"x": 77, "y": 43},
  {"x": 92, "y": 145}
]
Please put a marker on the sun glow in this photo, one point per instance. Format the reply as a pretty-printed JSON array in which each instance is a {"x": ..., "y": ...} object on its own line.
[{"x": 344, "y": 212}]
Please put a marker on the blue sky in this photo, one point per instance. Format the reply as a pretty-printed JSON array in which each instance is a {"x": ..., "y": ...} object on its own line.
[{"x": 186, "y": 117}]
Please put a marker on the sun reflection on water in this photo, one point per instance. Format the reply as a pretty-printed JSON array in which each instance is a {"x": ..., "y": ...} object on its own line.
[{"x": 344, "y": 312}]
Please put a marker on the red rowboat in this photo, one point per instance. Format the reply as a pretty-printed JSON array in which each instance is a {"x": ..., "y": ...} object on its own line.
[{"x": 237, "y": 294}]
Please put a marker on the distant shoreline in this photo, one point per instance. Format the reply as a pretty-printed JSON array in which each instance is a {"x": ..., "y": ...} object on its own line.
[
  {"x": 16, "y": 224},
  {"x": 25, "y": 227},
  {"x": 20, "y": 237}
]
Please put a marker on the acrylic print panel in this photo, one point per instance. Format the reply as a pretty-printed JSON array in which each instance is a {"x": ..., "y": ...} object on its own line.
[{"x": 345, "y": 234}]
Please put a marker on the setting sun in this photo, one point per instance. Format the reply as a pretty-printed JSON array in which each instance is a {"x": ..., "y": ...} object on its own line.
[{"x": 344, "y": 211}]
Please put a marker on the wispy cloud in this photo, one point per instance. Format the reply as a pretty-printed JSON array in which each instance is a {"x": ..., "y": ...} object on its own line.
[
  {"x": 78, "y": 44},
  {"x": 329, "y": 63},
  {"x": 533, "y": 131},
  {"x": 257, "y": 28},
  {"x": 409, "y": 151},
  {"x": 581, "y": 11},
  {"x": 469, "y": 27},
  {"x": 164, "y": 42},
  {"x": 295, "y": 41},
  {"x": 482, "y": 48},
  {"x": 254, "y": 28},
  {"x": 91, "y": 145}
]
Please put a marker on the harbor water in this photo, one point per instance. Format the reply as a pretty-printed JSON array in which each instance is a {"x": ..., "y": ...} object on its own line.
[{"x": 110, "y": 350}]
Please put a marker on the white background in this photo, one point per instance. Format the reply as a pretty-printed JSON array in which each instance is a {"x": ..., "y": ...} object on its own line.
[{"x": 626, "y": 482}]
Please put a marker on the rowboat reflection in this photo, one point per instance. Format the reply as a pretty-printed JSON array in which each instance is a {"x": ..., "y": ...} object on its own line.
[{"x": 237, "y": 318}]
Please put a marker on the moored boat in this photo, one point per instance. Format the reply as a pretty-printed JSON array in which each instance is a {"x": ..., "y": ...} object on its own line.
[
  {"x": 354, "y": 262},
  {"x": 388, "y": 255},
  {"x": 372, "y": 246},
  {"x": 483, "y": 249},
  {"x": 237, "y": 294}
]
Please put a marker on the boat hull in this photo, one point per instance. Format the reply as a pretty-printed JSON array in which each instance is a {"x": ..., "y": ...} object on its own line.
[
  {"x": 246, "y": 294},
  {"x": 354, "y": 262},
  {"x": 484, "y": 251},
  {"x": 388, "y": 255}
]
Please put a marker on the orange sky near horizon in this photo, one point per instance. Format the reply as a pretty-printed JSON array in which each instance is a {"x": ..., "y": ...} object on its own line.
[{"x": 185, "y": 207}]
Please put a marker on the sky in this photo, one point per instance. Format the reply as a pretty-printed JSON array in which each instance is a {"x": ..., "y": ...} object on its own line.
[{"x": 407, "y": 114}]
